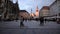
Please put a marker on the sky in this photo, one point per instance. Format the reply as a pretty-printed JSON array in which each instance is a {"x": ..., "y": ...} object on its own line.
[{"x": 32, "y": 4}]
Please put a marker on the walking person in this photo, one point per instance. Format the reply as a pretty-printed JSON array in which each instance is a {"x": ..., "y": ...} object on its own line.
[
  {"x": 58, "y": 21},
  {"x": 21, "y": 22},
  {"x": 41, "y": 21}
]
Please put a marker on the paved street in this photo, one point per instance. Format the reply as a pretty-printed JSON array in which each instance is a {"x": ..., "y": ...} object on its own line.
[{"x": 30, "y": 27}]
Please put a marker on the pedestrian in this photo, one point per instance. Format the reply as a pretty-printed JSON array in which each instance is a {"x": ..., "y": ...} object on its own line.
[
  {"x": 21, "y": 23},
  {"x": 16, "y": 19},
  {"x": 44, "y": 20},
  {"x": 58, "y": 21},
  {"x": 41, "y": 20}
]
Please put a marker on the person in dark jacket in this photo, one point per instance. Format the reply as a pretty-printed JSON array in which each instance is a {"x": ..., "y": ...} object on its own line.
[
  {"x": 58, "y": 21},
  {"x": 41, "y": 20},
  {"x": 21, "y": 22}
]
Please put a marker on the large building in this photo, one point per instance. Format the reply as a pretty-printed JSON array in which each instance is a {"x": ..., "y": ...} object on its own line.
[
  {"x": 55, "y": 8},
  {"x": 2, "y": 4},
  {"x": 44, "y": 11},
  {"x": 24, "y": 14},
  {"x": 54, "y": 11},
  {"x": 8, "y": 9}
]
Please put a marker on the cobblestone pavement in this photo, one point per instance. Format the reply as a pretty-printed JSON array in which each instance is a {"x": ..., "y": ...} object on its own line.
[{"x": 30, "y": 27}]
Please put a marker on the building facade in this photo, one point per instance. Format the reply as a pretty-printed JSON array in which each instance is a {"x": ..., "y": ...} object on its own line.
[
  {"x": 55, "y": 8},
  {"x": 44, "y": 11},
  {"x": 2, "y": 7},
  {"x": 8, "y": 9},
  {"x": 24, "y": 14},
  {"x": 58, "y": 5}
]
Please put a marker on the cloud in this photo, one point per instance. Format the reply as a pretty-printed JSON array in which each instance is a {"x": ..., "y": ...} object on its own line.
[
  {"x": 25, "y": 4},
  {"x": 28, "y": 4}
]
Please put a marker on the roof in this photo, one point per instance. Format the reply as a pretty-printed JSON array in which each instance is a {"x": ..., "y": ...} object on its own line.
[
  {"x": 53, "y": 3},
  {"x": 45, "y": 8},
  {"x": 23, "y": 11}
]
